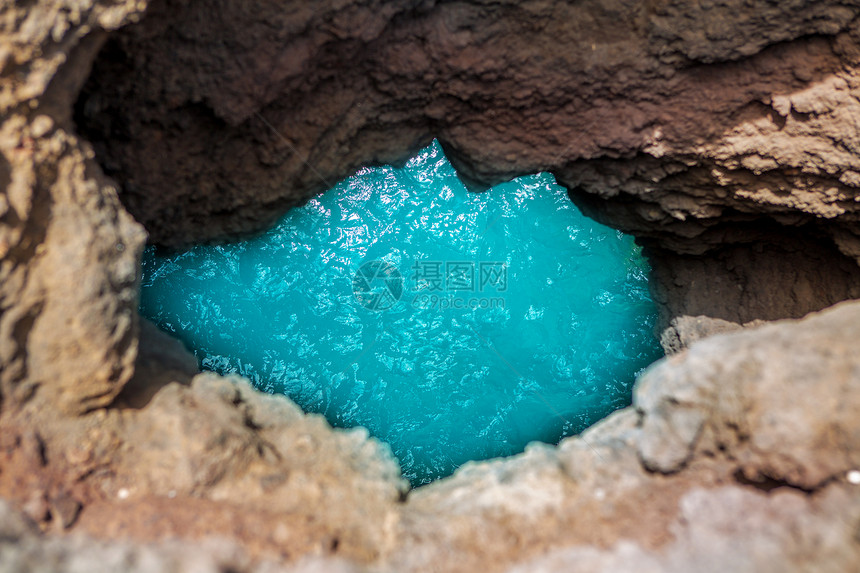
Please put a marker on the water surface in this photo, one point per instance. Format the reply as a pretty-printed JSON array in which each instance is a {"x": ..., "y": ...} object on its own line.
[{"x": 454, "y": 326}]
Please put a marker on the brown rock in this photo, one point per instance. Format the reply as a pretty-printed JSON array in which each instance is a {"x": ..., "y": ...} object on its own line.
[
  {"x": 723, "y": 135},
  {"x": 789, "y": 419},
  {"x": 613, "y": 98},
  {"x": 68, "y": 281},
  {"x": 704, "y": 128},
  {"x": 750, "y": 467}
]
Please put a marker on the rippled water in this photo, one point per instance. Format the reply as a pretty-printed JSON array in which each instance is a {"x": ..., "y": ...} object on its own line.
[{"x": 478, "y": 323}]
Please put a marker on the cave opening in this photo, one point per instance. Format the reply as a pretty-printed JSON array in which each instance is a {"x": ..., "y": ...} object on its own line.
[{"x": 453, "y": 325}]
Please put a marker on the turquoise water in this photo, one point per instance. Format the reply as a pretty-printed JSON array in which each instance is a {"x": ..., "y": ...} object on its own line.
[{"x": 454, "y": 326}]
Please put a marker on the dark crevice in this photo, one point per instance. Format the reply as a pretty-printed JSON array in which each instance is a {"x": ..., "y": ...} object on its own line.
[
  {"x": 41, "y": 449},
  {"x": 767, "y": 484}
]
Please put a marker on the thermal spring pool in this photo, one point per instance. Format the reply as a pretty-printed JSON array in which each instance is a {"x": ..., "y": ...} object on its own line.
[{"x": 454, "y": 326}]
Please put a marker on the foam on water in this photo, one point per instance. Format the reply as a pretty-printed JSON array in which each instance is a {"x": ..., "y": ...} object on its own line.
[{"x": 491, "y": 320}]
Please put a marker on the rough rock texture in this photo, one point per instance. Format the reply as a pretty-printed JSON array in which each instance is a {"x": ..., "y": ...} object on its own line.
[
  {"x": 730, "y": 529},
  {"x": 76, "y": 436},
  {"x": 24, "y": 550},
  {"x": 779, "y": 276},
  {"x": 727, "y": 394},
  {"x": 213, "y": 458},
  {"x": 720, "y": 450},
  {"x": 697, "y": 126},
  {"x": 68, "y": 277},
  {"x": 508, "y": 87},
  {"x": 722, "y": 133}
]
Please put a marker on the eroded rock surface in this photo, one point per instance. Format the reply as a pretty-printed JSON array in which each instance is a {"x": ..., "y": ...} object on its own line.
[
  {"x": 723, "y": 134},
  {"x": 23, "y": 549},
  {"x": 720, "y": 462},
  {"x": 613, "y": 97},
  {"x": 730, "y": 529},
  {"x": 68, "y": 279},
  {"x": 698, "y": 127}
]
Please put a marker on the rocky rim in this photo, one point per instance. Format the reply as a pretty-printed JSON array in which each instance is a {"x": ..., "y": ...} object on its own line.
[{"x": 723, "y": 135}]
